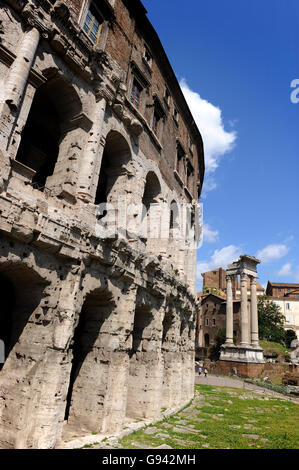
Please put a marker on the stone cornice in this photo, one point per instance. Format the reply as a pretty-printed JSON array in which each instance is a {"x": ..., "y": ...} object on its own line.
[{"x": 64, "y": 236}]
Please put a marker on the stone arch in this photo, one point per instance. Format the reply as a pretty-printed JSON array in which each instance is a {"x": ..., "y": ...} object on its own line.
[
  {"x": 21, "y": 290},
  {"x": 145, "y": 378},
  {"x": 171, "y": 392},
  {"x": 174, "y": 218},
  {"x": 152, "y": 189},
  {"x": 114, "y": 168},
  {"x": 114, "y": 190},
  {"x": 55, "y": 105},
  {"x": 174, "y": 242},
  {"x": 28, "y": 335},
  {"x": 152, "y": 213},
  {"x": 90, "y": 363},
  {"x": 207, "y": 340}
]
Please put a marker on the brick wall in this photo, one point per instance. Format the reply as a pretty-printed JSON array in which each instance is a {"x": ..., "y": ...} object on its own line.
[
  {"x": 126, "y": 42},
  {"x": 213, "y": 308},
  {"x": 75, "y": 7},
  {"x": 215, "y": 279},
  {"x": 250, "y": 370}
]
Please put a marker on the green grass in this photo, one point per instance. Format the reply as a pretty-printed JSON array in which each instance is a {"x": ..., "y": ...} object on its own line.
[
  {"x": 88, "y": 446},
  {"x": 219, "y": 417},
  {"x": 279, "y": 348}
]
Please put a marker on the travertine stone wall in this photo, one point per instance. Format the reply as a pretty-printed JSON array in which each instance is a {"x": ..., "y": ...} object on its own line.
[
  {"x": 146, "y": 366},
  {"x": 98, "y": 326}
]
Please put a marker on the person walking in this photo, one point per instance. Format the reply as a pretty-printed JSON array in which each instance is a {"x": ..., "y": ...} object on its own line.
[
  {"x": 206, "y": 373},
  {"x": 199, "y": 370}
]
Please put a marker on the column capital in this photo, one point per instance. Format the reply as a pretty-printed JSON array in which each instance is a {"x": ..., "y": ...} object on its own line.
[
  {"x": 229, "y": 277},
  {"x": 244, "y": 276},
  {"x": 253, "y": 280}
]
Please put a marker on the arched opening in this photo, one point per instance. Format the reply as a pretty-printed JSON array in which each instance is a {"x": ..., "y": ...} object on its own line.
[
  {"x": 54, "y": 104},
  {"x": 20, "y": 293},
  {"x": 174, "y": 233},
  {"x": 151, "y": 212},
  {"x": 167, "y": 324},
  {"x": 138, "y": 373},
  {"x": 174, "y": 224},
  {"x": 39, "y": 145},
  {"x": 87, "y": 386},
  {"x": 152, "y": 190},
  {"x": 25, "y": 331},
  {"x": 8, "y": 300},
  {"x": 207, "y": 340},
  {"x": 183, "y": 328},
  {"x": 116, "y": 157},
  {"x": 171, "y": 359}
]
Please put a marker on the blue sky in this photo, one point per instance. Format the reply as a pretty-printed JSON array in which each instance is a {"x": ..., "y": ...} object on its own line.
[{"x": 235, "y": 61}]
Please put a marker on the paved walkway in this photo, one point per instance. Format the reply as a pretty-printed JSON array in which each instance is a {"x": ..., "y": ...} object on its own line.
[
  {"x": 235, "y": 383},
  {"x": 219, "y": 381}
]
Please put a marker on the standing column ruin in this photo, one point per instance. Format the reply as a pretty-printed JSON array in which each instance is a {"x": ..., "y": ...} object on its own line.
[
  {"x": 254, "y": 313},
  {"x": 244, "y": 311},
  {"x": 87, "y": 168},
  {"x": 19, "y": 71},
  {"x": 243, "y": 356},
  {"x": 229, "y": 311}
]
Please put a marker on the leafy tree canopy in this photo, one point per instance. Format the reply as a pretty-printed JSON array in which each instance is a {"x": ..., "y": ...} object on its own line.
[
  {"x": 289, "y": 336},
  {"x": 271, "y": 321},
  {"x": 220, "y": 339}
]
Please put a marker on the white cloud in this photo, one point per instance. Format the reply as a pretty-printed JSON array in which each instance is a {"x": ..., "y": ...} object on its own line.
[
  {"x": 272, "y": 252},
  {"x": 220, "y": 258},
  {"x": 217, "y": 141},
  {"x": 286, "y": 270},
  {"x": 209, "y": 235}
]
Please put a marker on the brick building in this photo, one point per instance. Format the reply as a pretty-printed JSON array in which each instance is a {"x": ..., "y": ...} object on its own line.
[
  {"x": 212, "y": 318},
  {"x": 101, "y": 169},
  {"x": 286, "y": 296},
  {"x": 214, "y": 278},
  {"x": 282, "y": 289}
]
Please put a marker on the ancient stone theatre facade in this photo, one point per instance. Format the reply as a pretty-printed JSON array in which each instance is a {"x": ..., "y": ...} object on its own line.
[{"x": 101, "y": 168}]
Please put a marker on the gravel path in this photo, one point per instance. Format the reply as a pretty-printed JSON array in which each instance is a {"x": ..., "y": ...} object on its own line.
[{"x": 235, "y": 383}]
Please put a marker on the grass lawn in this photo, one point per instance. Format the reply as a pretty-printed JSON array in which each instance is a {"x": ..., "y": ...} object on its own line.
[
  {"x": 224, "y": 418},
  {"x": 279, "y": 348}
]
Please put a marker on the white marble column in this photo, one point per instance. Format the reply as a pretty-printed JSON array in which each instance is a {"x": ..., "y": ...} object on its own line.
[
  {"x": 244, "y": 311},
  {"x": 254, "y": 313},
  {"x": 229, "y": 311},
  {"x": 19, "y": 71},
  {"x": 88, "y": 163}
]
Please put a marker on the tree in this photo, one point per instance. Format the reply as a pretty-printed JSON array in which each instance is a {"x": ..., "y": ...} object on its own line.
[
  {"x": 213, "y": 290},
  {"x": 271, "y": 321},
  {"x": 289, "y": 336},
  {"x": 220, "y": 339}
]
